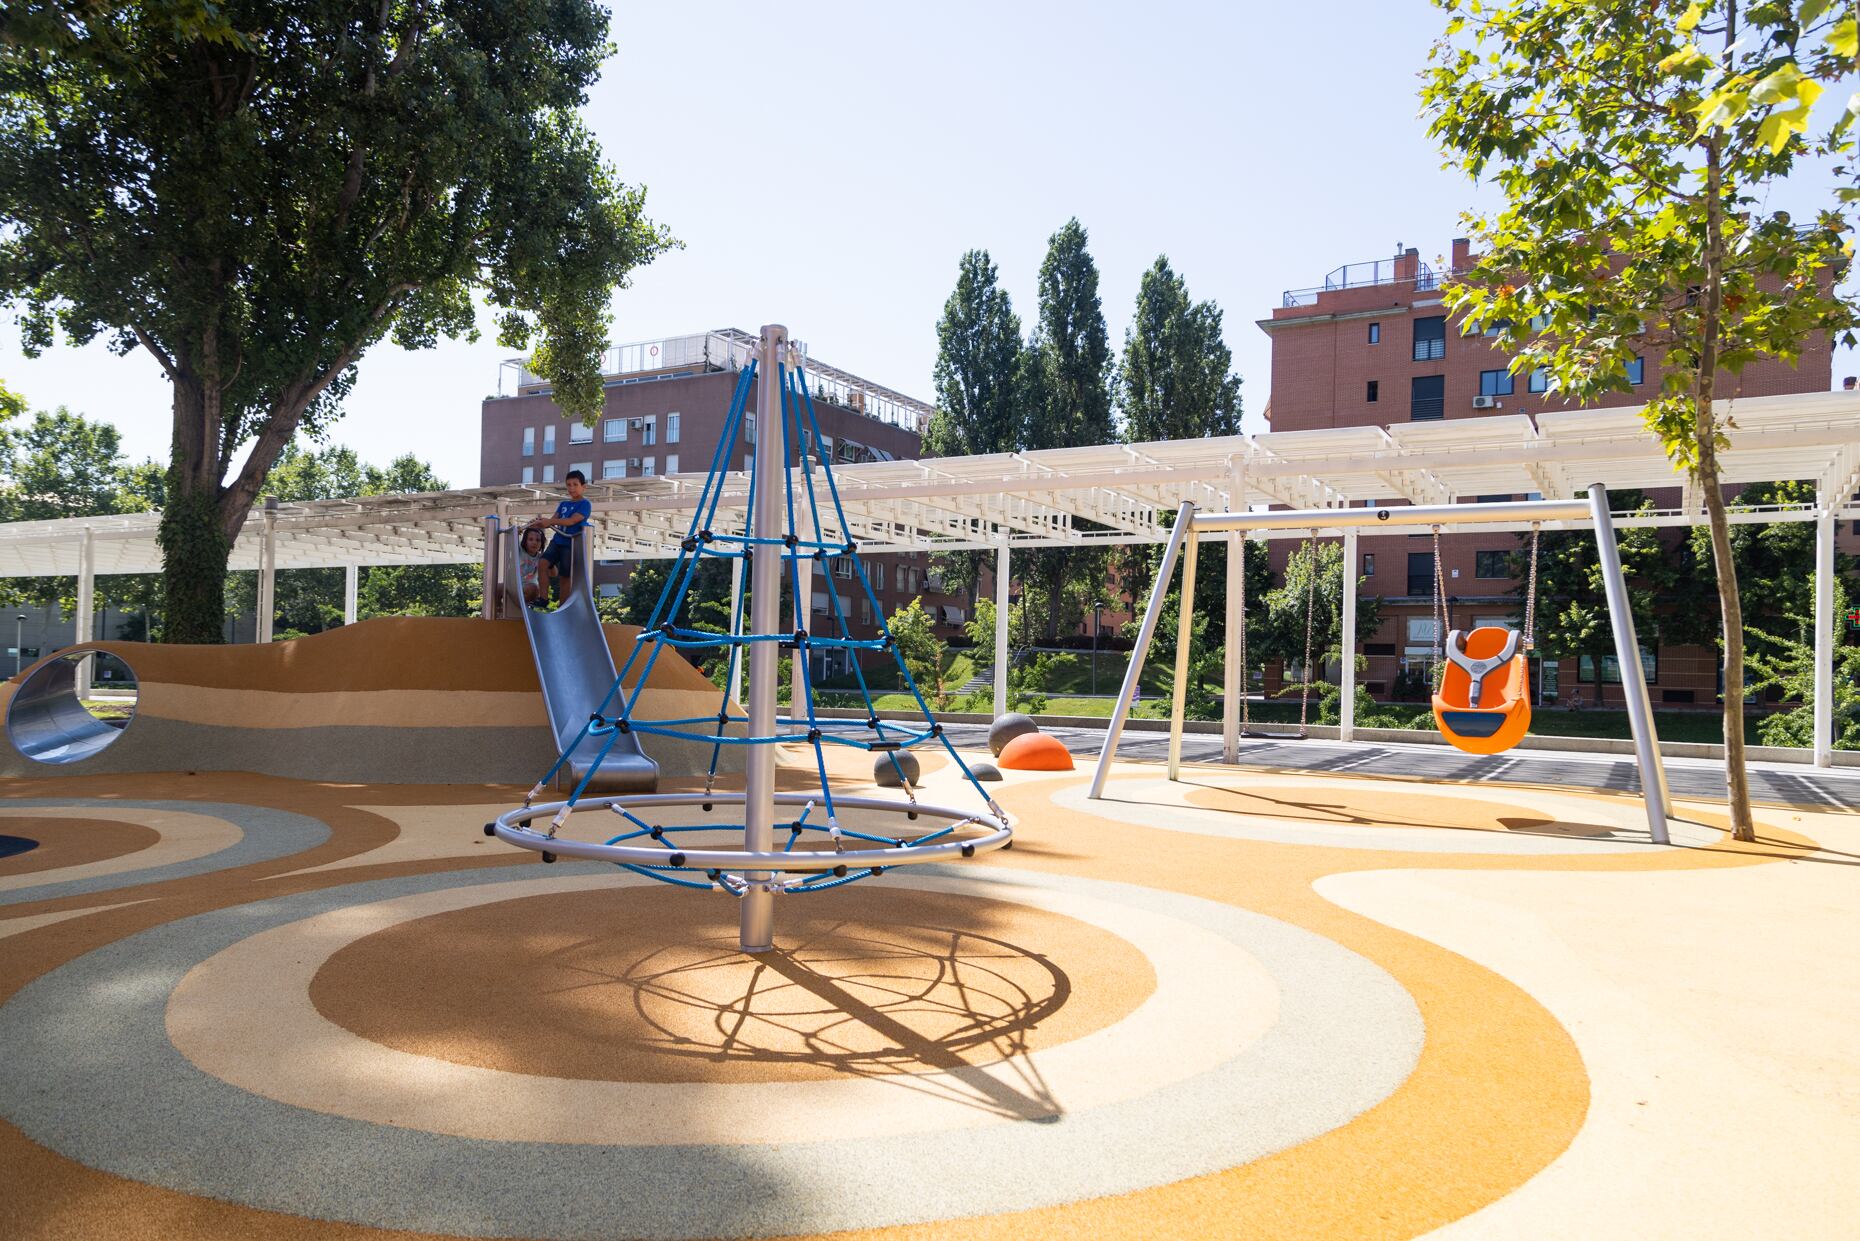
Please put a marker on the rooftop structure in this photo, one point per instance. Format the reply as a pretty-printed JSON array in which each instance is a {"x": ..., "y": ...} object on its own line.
[{"x": 726, "y": 349}]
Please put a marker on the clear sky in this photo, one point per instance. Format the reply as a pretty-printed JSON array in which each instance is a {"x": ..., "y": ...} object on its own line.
[{"x": 827, "y": 164}]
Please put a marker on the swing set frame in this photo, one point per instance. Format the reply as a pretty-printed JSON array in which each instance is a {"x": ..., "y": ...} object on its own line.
[{"x": 1192, "y": 525}]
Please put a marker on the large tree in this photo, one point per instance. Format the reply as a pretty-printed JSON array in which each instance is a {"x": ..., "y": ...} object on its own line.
[
  {"x": 1635, "y": 143},
  {"x": 978, "y": 392},
  {"x": 1066, "y": 378},
  {"x": 256, "y": 192},
  {"x": 1176, "y": 380}
]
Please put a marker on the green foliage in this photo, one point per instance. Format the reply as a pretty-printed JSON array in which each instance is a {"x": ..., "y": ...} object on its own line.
[
  {"x": 978, "y": 365},
  {"x": 1176, "y": 379},
  {"x": 1785, "y": 659},
  {"x": 1031, "y": 683},
  {"x": 981, "y": 630},
  {"x": 61, "y": 465},
  {"x": 1314, "y": 575},
  {"x": 913, "y": 632},
  {"x": 1635, "y": 186},
  {"x": 1572, "y": 600},
  {"x": 256, "y": 194}
]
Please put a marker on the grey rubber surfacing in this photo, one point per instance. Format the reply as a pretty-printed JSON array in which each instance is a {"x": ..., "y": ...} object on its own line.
[{"x": 92, "y": 1075}]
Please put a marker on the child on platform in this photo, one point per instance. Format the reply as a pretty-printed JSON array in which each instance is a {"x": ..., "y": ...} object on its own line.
[{"x": 533, "y": 570}]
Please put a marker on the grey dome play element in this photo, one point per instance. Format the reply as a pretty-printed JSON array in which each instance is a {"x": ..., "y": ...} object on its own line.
[
  {"x": 984, "y": 771},
  {"x": 1008, "y": 727},
  {"x": 46, "y": 722},
  {"x": 886, "y": 775}
]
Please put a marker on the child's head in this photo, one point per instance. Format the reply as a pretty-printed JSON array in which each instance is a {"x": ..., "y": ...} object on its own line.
[
  {"x": 575, "y": 481},
  {"x": 532, "y": 541}
]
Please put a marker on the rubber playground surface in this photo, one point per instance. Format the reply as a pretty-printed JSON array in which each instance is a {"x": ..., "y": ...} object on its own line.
[{"x": 1255, "y": 1003}]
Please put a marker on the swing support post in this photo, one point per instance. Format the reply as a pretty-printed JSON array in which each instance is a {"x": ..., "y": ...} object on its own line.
[
  {"x": 1346, "y": 705},
  {"x": 1633, "y": 677},
  {"x": 1120, "y": 711}
]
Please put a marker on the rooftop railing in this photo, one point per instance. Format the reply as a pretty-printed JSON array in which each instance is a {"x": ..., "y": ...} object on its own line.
[{"x": 1362, "y": 275}]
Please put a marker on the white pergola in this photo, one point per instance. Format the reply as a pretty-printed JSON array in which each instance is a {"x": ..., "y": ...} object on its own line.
[{"x": 1112, "y": 493}]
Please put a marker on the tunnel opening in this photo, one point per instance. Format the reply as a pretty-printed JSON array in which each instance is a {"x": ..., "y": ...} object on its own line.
[{"x": 73, "y": 707}]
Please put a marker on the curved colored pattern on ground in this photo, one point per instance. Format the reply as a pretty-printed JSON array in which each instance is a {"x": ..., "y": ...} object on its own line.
[{"x": 1158, "y": 1015}]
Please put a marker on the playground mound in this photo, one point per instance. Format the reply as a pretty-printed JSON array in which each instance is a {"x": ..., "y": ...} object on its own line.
[{"x": 391, "y": 700}]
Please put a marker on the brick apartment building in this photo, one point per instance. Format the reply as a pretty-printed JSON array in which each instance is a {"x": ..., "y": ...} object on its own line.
[
  {"x": 1375, "y": 346},
  {"x": 664, "y": 411}
]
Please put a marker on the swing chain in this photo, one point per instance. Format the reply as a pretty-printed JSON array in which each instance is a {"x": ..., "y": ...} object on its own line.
[
  {"x": 1530, "y": 593},
  {"x": 1440, "y": 607}
]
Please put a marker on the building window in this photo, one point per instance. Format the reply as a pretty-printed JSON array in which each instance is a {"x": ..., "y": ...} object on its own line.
[
  {"x": 1495, "y": 383},
  {"x": 749, "y": 427},
  {"x": 1637, "y": 370},
  {"x": 549, "y": 473},
  {"x": 671, "y": 429},
  {"x": 842, "y": 568},
  {"x": 646, "y": 466},
  {"x": 1374, "y": 391},
  {"x": 1375, "y": 333},
  {"x": 529, "y": 473},
  {"x": 1611, "y": 668},
  {"x": 671, "y": 463},
  {"x": 649, "y": 433},
  {"x": 1427, "y": 397},
  {"x": 1430, "y": 338},
  {"x": 1369, "y": 564},
  {"x": 913, "y": 586},
  {"x": 865, "y": 611},
  {"x": 529, "y": 441},
  {"x": 1491, "y": 564},
  {"x": 616, "y": 431},
  {"x": 586, "y": 468},
  {"x": 580, "y": 433},
  {"x": 1421, "y": 574},
  {"x": 613, "y": 467},
  {"x": 548, "y": 440},
  {"x": 1496, "y": 326},
  {"x": 1539, "y": 381}
]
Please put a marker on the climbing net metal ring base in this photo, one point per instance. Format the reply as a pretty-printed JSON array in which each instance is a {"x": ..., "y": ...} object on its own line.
[{"x": 742, "y": 870}]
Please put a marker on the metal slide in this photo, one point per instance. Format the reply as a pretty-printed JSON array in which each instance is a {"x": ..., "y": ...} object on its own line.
[{"x": 576, "y": 670}]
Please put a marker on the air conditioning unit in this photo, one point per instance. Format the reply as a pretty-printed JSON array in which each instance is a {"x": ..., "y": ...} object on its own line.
[
  {"x": 632, "y": 463},
  {"x": 636, "y": 423},
  {"x": 1486, "y": 402}
]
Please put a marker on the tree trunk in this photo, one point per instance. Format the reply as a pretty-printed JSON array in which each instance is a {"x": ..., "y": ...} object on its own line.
[
  {"x": 1705, "y": 472},
  {"x": 194, "y": 544}
]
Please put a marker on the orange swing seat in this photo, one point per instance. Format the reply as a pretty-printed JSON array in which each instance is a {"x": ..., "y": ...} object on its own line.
[{"x": 1484, "y": 702}]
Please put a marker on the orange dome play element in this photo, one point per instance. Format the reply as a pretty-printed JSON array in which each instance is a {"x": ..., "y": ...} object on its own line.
[
  {"x": 1484, "y": 702},
  {"x": 1035, "y": 752}
]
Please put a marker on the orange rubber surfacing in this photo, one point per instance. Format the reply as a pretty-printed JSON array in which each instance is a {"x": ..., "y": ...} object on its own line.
[
  {"x": 1035, "y": 752},
  {"x": 1503, "y": 715}
]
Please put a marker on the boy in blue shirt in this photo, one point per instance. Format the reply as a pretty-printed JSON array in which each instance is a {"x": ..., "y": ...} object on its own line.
[{"x": 570, "y": 520}]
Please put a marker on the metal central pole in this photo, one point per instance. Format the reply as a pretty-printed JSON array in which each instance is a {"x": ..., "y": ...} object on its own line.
[{"x": 757, "y": 932}]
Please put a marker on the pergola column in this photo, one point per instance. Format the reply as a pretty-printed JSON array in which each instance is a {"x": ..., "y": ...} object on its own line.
[
  {"x": 351, "y": 587},
  {"x": 1346, "y": 705},
  {"x": 1233, "y": 676},
  {"x": 1824, "y": 632},
  {"x": 268, "y": 571},
  {"x": 1001, "y": 629},
  {"x": 82, "y": 618}
]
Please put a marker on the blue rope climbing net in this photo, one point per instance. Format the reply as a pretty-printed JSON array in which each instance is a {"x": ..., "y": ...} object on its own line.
[{"x": 807, "y": 539}]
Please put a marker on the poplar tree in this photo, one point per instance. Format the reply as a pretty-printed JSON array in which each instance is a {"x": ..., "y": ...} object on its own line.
[
  {"x": 255, "y": 193},
  {"x": 1176, "y": 379},
  {"x": 978, "y": 387},
  {"x": 1067, "y": 378},
  {"x": 1635, "y": 143}
]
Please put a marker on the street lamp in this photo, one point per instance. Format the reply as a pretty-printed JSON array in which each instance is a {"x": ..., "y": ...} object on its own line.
[{"x": 19, "y": 638}]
